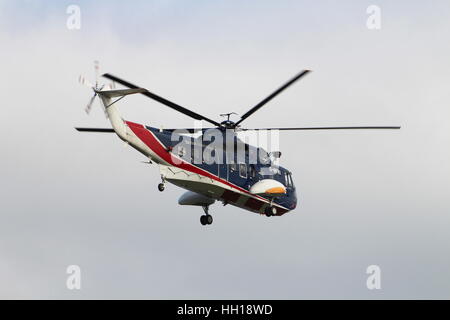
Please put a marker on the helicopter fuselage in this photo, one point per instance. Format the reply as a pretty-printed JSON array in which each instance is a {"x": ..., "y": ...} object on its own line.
[{"x": 229, "y": 182}]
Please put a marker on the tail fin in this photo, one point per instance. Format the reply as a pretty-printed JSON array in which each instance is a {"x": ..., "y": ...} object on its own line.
[{"x": 112, "y": 111}]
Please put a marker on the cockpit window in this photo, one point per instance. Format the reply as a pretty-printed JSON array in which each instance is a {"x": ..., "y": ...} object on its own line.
[
  {"x": 286, "y": 179},
  {"x": 289, "y": 178}
]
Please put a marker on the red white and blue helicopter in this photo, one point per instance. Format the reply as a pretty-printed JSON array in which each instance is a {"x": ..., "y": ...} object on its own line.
[{"x": 234, "y": 178}]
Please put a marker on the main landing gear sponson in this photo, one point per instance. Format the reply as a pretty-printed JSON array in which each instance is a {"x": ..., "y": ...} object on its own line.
[{"x": 206, "y": 218}]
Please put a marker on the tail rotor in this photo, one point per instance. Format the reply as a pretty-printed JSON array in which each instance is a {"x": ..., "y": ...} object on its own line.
[
  {"x": 96, "y": 88},
  {"x": 89, "y": 105}
]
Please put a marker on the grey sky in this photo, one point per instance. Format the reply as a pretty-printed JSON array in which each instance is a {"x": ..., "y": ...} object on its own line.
[{"x": 365, "y": 197}]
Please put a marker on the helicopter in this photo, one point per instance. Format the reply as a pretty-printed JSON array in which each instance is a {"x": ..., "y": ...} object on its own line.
[{"x": 227, "y": 169}]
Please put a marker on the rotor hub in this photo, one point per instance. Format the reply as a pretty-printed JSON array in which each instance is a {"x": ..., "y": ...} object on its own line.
[{"x": 227, "y": 124}]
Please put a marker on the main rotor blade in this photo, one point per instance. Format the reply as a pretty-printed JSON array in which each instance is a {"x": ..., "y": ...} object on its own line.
[
  {"x": 166, "y": 102},
  {"x": 273, "y": 95},
  {"x": 330, "y": 128},
  {"x": 106, "y": 130}
]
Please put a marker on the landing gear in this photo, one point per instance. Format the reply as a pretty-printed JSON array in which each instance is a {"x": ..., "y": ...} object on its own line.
[
  {"x": 162, "y": 186},
  {"x": 206, "y": 218},
  {"x": 271, "y": 211}
]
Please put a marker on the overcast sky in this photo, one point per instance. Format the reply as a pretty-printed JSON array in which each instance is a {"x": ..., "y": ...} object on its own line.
[{"x": 365, "y": 198}]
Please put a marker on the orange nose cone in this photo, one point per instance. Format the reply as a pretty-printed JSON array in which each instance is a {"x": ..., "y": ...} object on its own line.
[{"x": 276, "y": 190}]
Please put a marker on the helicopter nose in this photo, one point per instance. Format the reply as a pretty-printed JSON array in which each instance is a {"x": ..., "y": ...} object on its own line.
[
  {"x": 268, "y": 187},
  {"x": 294, "y": 201}
]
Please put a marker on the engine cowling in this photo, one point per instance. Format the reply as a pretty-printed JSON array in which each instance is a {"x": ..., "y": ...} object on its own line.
[
  {"x": 268, "y": 187},
  {"x": 191, "y": 198}
]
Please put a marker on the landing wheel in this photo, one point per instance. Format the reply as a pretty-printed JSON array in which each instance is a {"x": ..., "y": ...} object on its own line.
[
  {"x": 161, "y": 187},
  {"x": 206, "y": 219},
  {"x": 272, "y": 211}
]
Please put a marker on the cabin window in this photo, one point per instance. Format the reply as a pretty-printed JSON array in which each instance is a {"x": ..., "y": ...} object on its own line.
[
  {"x": 252, "y": 171},
  {"x": 243, "y": 170},
  {"x": 233, "y": 167}
]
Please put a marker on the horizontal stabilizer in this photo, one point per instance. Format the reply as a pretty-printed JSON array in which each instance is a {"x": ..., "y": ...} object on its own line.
[
  {"x": 121, "y": 93},
  {"x": 107, "y": 130}
]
